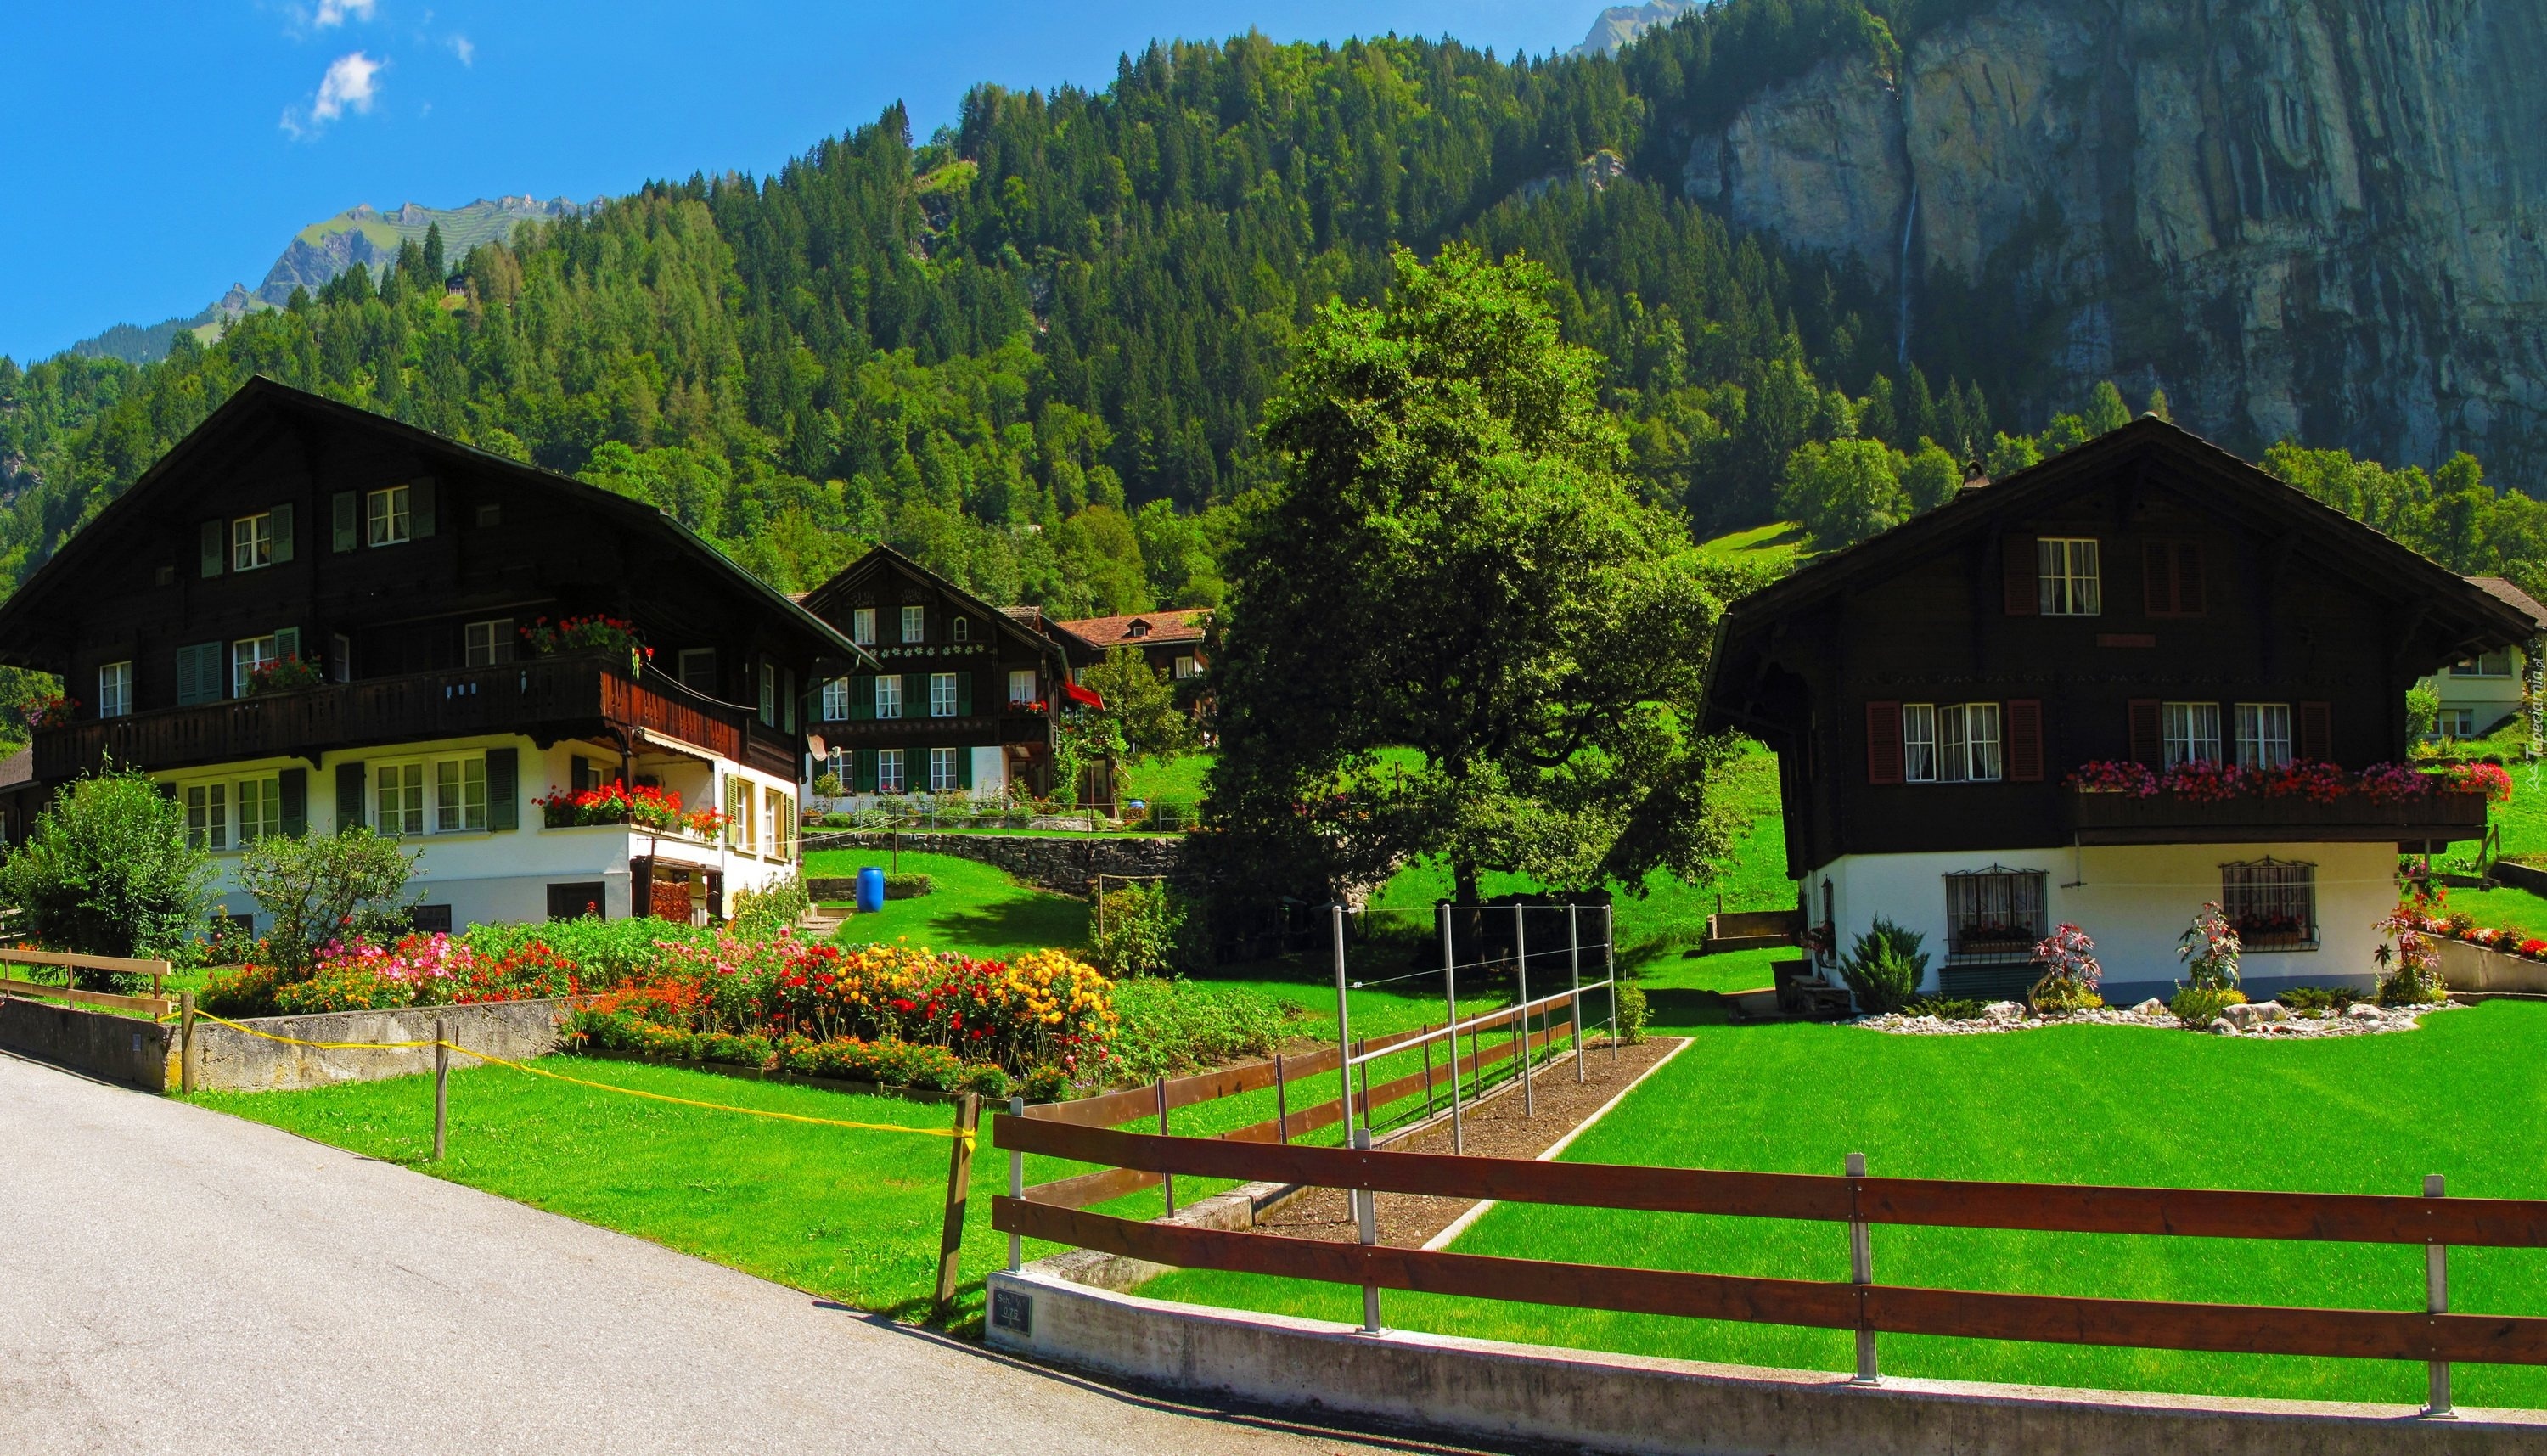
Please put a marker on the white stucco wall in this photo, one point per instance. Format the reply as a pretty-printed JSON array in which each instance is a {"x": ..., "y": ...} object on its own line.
[{"x": 2134, "y": 901}]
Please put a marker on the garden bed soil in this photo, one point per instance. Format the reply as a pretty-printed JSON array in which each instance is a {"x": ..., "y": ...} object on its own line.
[{"x": 1493, "y": 1128}]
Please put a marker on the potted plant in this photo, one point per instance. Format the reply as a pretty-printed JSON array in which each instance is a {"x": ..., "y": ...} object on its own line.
[{"x": 288, "y": 675}]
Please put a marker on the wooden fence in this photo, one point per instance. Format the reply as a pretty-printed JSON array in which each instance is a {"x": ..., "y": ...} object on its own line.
[{"x": 67, "y": 991}]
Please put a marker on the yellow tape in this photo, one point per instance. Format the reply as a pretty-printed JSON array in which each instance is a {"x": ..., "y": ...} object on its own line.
[{"x": 827, "y": 1122}]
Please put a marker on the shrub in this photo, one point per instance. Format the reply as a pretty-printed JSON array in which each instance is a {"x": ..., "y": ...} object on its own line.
[
  {"x": 1167, "y": 817},
  {"x": 1137, "y": 929},
  {"x": 602, "y": 953},
  {"x": 1171, "y": 1026},
  {"x": 2410, "y": 970},
  {"x": 908, "y": 887},
  {"x": 2071, "y": 971},
  {"x": 2197, "y": 1006},
  {"x": 827, "y": 785},
  {"x": 1885, "y": 970},
  {"x": 1631, "y": 1012},
  {"x": 772, "y": 908},
  {"x": 2314, "y": 1000},
  {"x": 2209, "y": 948},
  {"x": 108, "y": 872},
  {"x": 324, "y": 887},
  {"x": 241, "y": 990},
  {"x": 1945, "y": 1008}
]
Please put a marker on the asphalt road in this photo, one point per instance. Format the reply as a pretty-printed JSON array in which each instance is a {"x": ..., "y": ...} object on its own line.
[{"x": 174, "y": 1280}]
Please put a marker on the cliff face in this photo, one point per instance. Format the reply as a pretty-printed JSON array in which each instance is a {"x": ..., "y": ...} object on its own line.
[{"x": 2310, "y": 217}]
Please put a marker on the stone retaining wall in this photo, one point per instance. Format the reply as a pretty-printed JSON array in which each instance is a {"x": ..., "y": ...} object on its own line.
[
  {"x": 2474, "y": 968},
  {"x": 118, "y": 1049},
  {"x": 1064, "y": 863},
  {"x": 233, "y": 1061}
]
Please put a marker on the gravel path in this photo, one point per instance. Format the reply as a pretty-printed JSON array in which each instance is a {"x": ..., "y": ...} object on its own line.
[{"x": 181, "y": 1281}]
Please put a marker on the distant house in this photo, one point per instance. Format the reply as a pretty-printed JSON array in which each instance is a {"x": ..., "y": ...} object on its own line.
[
  {"x": 1172, "y": 642},
  {"x": 306, "y": 617},
  {"x": 2144, "y": 601},
  {"x": 963, "y": 697},
  {"x": 2482, "y": 693}
]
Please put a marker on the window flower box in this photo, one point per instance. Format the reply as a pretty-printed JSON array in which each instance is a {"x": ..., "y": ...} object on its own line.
[{"x": 617, "y": 803}]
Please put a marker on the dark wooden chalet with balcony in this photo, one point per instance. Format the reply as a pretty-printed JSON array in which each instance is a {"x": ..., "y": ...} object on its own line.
[{"x": 2077, "y": 694}]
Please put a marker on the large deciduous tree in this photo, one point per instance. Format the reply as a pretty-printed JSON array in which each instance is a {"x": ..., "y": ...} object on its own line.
[{"x": 1454, "y": 562}]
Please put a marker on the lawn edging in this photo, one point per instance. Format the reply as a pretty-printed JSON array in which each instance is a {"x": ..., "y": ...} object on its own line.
[{"x": 1490, "y": 1389}]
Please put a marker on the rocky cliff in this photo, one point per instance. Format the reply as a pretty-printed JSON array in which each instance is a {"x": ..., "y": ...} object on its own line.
[{"x": 2310, "y": 217}]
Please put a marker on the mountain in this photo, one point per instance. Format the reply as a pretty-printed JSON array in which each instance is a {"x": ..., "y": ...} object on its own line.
[
  {"x": 322, "y": 250},
  {"x": 1620, "y": 25}
]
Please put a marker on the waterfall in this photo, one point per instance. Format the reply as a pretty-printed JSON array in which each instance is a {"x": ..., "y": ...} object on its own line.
[{"x": 1909, "y": 221}]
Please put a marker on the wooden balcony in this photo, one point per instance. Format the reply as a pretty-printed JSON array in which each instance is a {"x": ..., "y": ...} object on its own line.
[
  {"x": 571, "y": 695},
  {"x": 2248, "y": 819}
]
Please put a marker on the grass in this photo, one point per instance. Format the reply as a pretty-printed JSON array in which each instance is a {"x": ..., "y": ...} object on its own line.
[
  {"x": 2080, "y": 1105},
  {"x": 1776, "y": 545},
  {"x": 1180, "y": 779},
  {"x": 977, "y": 908}
]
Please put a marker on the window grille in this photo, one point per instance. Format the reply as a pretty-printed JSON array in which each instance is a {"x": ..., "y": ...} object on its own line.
[
  {"x": 2272, "y": 902},
  {"x": 1994, "y": 915}
]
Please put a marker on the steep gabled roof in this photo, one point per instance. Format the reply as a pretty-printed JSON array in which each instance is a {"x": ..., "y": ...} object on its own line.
[
  {"x": 262, "y": 400},
  {"x": 2520, "y": 600},
  {"x": 830, "y": 598}
]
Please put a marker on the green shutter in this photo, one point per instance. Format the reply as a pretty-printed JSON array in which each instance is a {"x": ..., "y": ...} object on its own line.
[
  {"x": 964, "y": 696},
  {"x": 286, "y": 643},
  {"x": 215, "y": 547},
  {"x": 349, "y": 796},
  {"x": 420, "y": 508},
  {"x": 504, "y": 788},
  {"x": 294, "y": 784},
  {"x": 866, "y": 771},
  {"x": 964, "y": 759},
  {"x": 348, "y": 508},
  {"x": 282, "y": 520},
  {"x": 863, "y": 698},
  {"x": 199, "y": 674}
]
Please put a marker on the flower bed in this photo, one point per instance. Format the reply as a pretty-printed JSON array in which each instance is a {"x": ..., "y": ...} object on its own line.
[{"x": 420, "y": 970}]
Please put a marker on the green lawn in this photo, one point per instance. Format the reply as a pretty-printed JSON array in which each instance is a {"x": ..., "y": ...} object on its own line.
[
  {"x": 2464, "y": 1096},
  {"x": 1776, "y": 545},
  {"x": 977, "y": 908},
  {"x": 1179, "y": 778}
]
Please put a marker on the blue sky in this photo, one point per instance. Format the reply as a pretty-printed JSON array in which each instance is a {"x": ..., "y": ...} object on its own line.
[{"x": 157, "y": 154}]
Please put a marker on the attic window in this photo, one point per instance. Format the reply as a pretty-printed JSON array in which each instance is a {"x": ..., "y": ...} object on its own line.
[
  {"x": 1138, "y": 628},
  {"x": 960, "y": 628}
]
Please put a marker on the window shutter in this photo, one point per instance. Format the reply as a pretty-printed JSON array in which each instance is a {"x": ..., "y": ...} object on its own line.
[
  {"x": 2189, "y": 599},
  {"x": 348, "y": 510},
  {"x": 863, "y": 698},
  {"x": 2316, "y": 732},
  {"x": 292, "y": 787},
  {"x": 2018, "y": 553},
  {"x": 504, "y": 788},
  {"x": 419, "y": 507},
  {"x": 1884, "y": 742},
  {"x": 281, "y": 517},
  {"x": 349, "y": 796},
  {"x": 964, "y": 761},
  {"x": 2146, "y": 748},
  {"x": 286, "y": 643},
  {"x": 2025, "y": 740},
  {"x": 964, "y": 696},
  {"x": 215, "y": 547},
  {"x": 2157, "y": 579},
  {"x": 866, "y": 771},
  {"x": 199, "y": 673}
]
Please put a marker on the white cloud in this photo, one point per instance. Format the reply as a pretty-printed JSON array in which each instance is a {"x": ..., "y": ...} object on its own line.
[
  {"x": 467, "y": 52},
  {"x": 350, "y": 84},
  {"x": 337, "y": 12}
]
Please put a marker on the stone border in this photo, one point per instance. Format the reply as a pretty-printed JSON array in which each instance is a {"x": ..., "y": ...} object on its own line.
[{"x": 1493, "y": 1391}]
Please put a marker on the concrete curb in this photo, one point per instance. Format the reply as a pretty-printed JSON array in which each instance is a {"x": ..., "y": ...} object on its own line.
[{"x": 1489, "y": 1390}]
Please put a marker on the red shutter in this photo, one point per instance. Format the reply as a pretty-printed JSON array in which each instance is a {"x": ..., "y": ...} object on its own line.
[
  {"x": 2025, "y": 740},
  {"x": 2317, "y": 732},
  {"x": 1884, "y": 742},
  {"x": 2019, "y": 566},
  {"x": 2189, "y": 597},
  {"x": 2146, "y": 748},
  {"x": 2157, "y": 579}
]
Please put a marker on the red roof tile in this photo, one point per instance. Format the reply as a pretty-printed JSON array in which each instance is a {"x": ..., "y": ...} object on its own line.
[{"x": 1145, "y": 629}]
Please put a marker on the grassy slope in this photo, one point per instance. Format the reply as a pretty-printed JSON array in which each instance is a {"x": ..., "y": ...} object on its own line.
[
  {"x": 1776, "y": 545},
  {"x": 977, "y": 908},
  {"x": 2086, "y": 1105}
]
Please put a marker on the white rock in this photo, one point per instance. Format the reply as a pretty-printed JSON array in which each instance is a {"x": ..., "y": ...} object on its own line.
[
  {"x": 2004, "y": 1010},
  {"x": 2270, "y": 1011},
  {"x": 2151, "y": 1008},
  {"x": 2362, "y": 1011},
  {"x": 2223, "y": 1027}
]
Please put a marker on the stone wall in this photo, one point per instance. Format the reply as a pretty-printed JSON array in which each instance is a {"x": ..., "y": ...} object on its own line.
[
  {"x": 1058, "y": 862},
  {"x": 226, "y": 1060},
  {"x": 118, "y": 1048}
]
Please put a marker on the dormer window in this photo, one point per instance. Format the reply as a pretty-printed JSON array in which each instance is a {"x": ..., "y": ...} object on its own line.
[{"x": 1137, "y": 628}]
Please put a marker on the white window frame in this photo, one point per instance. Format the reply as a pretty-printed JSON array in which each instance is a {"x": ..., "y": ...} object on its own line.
[
  {"x": 406, "y": 814},
  {"x": 488, "y": 644},
  {"x": 1189, "y": 666},
  {"x": 2188, "y": 733},
  {"x": 340, "y": 659},
  {"x": 892, "y": 774},
  {"x": 771, "y": 841},
  {"x": 941, "y": 695},
  {"x": 2457, "y": 723},
  {"x": 1968, "y": 740},
  {"x": 888, "y": 695},
  {"x": 1021, "y": 685},
  {"x": 115, "y": 690},
  {"x": 457, "y": 795},
  {"x": 260, "y": 809},
  {"x": 2068, "y": 577},
  {"x": 2264, "y": 734},
  {"x": 769, "y": 694},
  {"x": 252, "y": 542},
  {"x": 945, "y": 774},
  {"x": 959, "y": 629},
  {"x": 250, "y": 653},
  {"x": 915, "y": 624},
  {"x": 2482, "y": 665},
  {"x": 835, "y": 700},
  {"x": 389, "y": 517},
  {"x": 862, "y": 625},
  {"x": 207, "y": 817},
  {"x": 1919, "y": 742}
]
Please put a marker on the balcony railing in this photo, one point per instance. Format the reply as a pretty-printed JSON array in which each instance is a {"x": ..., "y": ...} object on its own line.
[
  {"x": 562, "y": 695},
  {"x": 2251, "y": 819},
  {"x": 974, "y": 728}
]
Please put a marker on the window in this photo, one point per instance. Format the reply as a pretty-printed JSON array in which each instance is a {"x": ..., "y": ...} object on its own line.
[
  {"x": 862, "y": 626},
  {"x": 2189, "y": 732},
  {"x": 387, "y": 516},
  {"x": 2495, "y": 663},
  {"x": 737, "y": 809},
  {"x": 252, "y": 542},
  {"x": 2457, "y": 723},
  {"x": 769, "y": 695},
  {"x": 915, "y": 624},
  {"x": 1919, "y": 742},
  {"x": 208, "y": 815},
  {"x": 770, "y": 839},
  {"x": 489, "y": 513},
  {"x": 696, "y": 668},
  {"x": 340, "y": 658},
  {"x": 941, "y": 695},
  {"x": 1189, "y": 666},
  {"x": 489, "y": 643},
  {"x": 115, "y": 690},
  {"x": 889, "y": 695},
  {"x": 1993, "y": 914},
  {"x": 459, "y": 794},
  {"x": 747, "y": 825},
  {"x": 960, "y": 629},
  {"x": 2264, "y": 734},
  {"x": 835, "y": 700},
  {"x": 577, "y": 901},
  {"x": 890, "y": 778},
  {"x": 945, "y": 777},
  {"x": 248, "y": 657},
  {"x": 1021, "y": 685},
  {"x": 2066, "y": 582},
  {"x": 2171, "y": 578},
  {"x": 2272, "y": 902},
  {"x": 397, "y": 798},
  {"x": 260, "y": 809}
]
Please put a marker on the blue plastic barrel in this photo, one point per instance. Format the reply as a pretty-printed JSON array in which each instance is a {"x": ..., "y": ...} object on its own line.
[{"x": 870, "y": 891}]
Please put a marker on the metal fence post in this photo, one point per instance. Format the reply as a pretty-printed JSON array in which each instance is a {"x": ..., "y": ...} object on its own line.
[
  {"x": 1361, "y": 1049},
  {"x": 1426, "y": 1036},
  {"x": 1166, "y": 1181},
  {"x": 1574, "y": 971},
  {"x": 1017, "y": 1185},
  {"x": 1367, "y": 1218},
  {"x": 1861, "y": 1273},
  {"x": 441, "y": 1082},
  {"x": 1521, "y": 967},
  {"x": 1610, "y": 969},
  {"x": 1343, "y": 1021},
  {"x": 2436, "y": 1301},
  {"x": 1451, "y": 990},
  {"x": 1281, "y": 1101}
]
